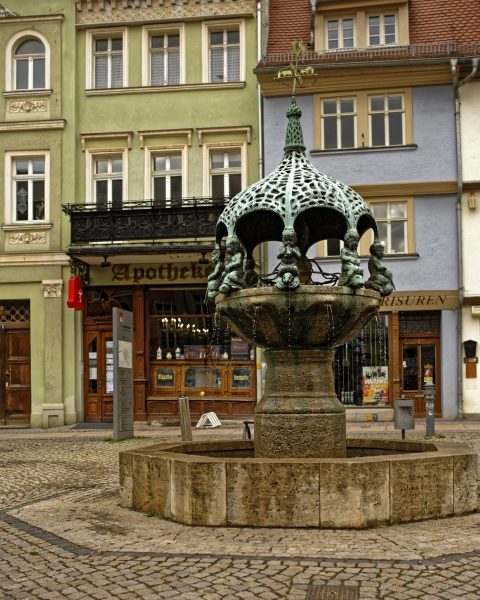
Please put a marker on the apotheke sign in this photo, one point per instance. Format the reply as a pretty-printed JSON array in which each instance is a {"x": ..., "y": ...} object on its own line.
[{"x": 174, "y": 272}]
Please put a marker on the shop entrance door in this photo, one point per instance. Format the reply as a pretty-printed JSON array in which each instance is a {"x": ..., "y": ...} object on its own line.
[
  {"x": 420, "y": 365},
  {"x": 98, "y": 379},
  {"x": 15, "y": 388}
]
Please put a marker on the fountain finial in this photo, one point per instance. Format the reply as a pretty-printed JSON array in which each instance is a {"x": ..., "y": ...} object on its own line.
[{"x": 294, "y": 135}]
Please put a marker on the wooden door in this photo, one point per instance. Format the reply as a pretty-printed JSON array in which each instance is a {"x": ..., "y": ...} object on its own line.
[
  {"x": 420, "y": 364},
  {"x": 15, "y": 383},
  {"x": 98, "y": 379}
]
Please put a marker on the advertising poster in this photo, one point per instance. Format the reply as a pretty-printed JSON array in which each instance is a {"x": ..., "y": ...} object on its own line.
[{"x": 375, "y": 385}]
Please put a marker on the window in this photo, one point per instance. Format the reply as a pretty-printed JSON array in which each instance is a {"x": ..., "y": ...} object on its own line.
[
  {"x": 363, "y": 121},
  {"x": 29, "y": 178},
  {"x": 164, "y": 51},
  {"x": 386, "y": 120},
  {"x": 108, "y": 62},
  {"x": 340, "y": 33},
  {"x": 167, "y": 178},
  {"x": 107, "y": 66},
  {"x": 224, "y": 44},
  {"x": 29, "y": 65},
  {"x": 28, "y": 62},
  {"x": 108, "y": 181},
  {"x": 338, "y": 123},
  {"x": 391, "y": 219},
  {"x": 382, "y": 30},
  {"x": 362, "y": 27},
  {"x": 225, "y": 172}
]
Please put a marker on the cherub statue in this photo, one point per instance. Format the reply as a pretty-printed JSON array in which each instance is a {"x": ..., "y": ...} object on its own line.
[
  {"x": 380, "y": 279},
  {"x": 215, "y": 278},
  {"x": 233, "y": 277},
  {"x": 352, "y": 272},
  {"x": 289, "y": 254},
  {"x": 250, "y": 276}
]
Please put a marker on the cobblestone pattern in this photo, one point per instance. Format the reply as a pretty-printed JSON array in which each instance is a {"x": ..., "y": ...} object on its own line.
[{"x": 62, "y": 535}]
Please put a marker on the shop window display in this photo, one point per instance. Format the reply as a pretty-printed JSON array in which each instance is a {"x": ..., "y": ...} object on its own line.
[{"x": 361, "y": 367}]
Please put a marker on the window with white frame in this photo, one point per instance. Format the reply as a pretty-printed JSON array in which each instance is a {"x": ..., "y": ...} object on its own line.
[
  {"x": 108, "y": 61},
  {"x": 108, "y": 181},
  {"x": 338, "y": 122},
  {"x": 164, "y": 57},
  {"x": 29, "y": 176},
  {"x": 391, "y": 218},
  {"x": 167, "y": 178},
  {"x": 224, "y": 54},
  {"x": 386, "y": 115},
  {"x": 29, "y": 65},
  {"x": 225, "y": 172},
  {"x": 340, "y": 33},
  {"x": 382, "y": 30}
]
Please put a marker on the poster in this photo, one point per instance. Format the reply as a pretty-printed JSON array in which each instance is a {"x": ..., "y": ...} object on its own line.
[{"x": 375, "y": 385}]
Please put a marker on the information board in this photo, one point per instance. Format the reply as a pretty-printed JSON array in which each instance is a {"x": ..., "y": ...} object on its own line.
[{"x": 122, "y": 373}]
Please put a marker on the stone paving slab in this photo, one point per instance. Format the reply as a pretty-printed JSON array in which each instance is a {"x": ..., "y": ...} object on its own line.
[{"x": 63, "y": 535}]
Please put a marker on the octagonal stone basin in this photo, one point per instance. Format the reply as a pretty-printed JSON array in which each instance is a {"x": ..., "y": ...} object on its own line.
[
  {"x": 218, "y": 483},
  {"x": 310, "y": 317}
]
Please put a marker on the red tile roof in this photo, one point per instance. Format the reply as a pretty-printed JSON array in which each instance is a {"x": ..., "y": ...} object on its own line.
[{"x": 430, "y": 21}]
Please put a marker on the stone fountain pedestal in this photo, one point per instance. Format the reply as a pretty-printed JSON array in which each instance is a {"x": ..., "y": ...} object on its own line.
[{"x": 300, "y": 414}]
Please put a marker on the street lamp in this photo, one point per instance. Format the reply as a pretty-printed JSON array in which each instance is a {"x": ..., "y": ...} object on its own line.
[{"x": 429, "y": 395}]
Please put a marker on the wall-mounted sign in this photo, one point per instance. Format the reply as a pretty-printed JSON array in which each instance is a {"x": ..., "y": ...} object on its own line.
[
  {"x": 437, "y": 300},
  {"x": 166, "y": 273}
]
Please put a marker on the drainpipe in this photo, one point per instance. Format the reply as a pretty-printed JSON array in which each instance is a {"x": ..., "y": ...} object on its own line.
[
  {"x": 261, "y": 166},
  {"x": 457, "y": 83}
]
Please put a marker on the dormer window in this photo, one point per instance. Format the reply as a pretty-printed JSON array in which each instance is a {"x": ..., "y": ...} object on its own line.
[
  {"x": 382, "y": 30},
  {"x": 363, "y": 26},
  {"x": 340, "y": 33}
]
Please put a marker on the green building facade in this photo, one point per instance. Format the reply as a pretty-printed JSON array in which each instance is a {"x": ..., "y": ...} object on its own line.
[{"x": 125, "y": 128}]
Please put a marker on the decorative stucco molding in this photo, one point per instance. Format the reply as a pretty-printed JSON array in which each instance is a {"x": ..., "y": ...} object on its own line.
[
  {"x": 91, "y": 12},
  {"x": 6, "y": 12},
  {"x": 27, "y": 106},
  {"x": 52, "y": 288},
  {"x": 28, "y": 237}
]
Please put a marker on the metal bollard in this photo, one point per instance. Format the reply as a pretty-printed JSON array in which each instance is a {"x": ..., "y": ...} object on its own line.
[{"x": 429, "y": 395}]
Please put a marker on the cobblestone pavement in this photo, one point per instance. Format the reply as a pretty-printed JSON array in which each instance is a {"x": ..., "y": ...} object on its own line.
[{"x": 63, "y": 535}]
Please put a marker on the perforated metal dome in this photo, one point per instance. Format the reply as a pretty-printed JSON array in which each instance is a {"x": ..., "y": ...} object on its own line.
[{"x": 295, "y": 195}]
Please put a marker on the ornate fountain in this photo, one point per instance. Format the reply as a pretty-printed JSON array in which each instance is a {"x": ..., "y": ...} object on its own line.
[
  {"x": 300, "y": 470},
  {"x": 299, "y": 324}
]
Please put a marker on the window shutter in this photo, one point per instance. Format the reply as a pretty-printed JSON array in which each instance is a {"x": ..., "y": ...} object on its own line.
[
  {"x": 216, "y": 65},
  {"x": 233, "y": 64},
  {"x": 158, "y": 71},
  {"x": 173, "y": 68},
  {"x": 101, "y": 72},
  {"x": 117, "y": 71}
]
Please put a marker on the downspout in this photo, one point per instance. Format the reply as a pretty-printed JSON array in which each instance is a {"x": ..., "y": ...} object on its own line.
[
  {"x": 457, "y": 83},
  {"x": 261, "y": 169}
]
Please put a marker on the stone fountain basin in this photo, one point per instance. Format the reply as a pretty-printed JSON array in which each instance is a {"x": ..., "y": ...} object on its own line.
[
  {"x": 311, "y": 316},
  {"x": 219, "y": 483}
]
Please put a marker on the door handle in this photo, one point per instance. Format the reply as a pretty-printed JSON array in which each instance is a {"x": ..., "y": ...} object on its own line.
[{"x": 7, "y": 379}]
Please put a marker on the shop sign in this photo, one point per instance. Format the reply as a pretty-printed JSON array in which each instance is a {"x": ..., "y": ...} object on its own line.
[
  {"x": 172, "y": 272},
  {"x": 403, "y": 301},
  {"x": 75, "y": 293}
]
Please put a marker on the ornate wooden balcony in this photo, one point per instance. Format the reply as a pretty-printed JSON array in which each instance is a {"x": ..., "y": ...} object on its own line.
[{"x": 144, "y": 221}]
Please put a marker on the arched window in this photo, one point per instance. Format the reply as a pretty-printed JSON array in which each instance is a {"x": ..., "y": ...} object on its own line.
[{"x": 29, "y": 65}]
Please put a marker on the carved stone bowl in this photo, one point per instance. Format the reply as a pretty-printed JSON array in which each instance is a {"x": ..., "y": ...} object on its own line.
[{"x": 311, "y": 316}]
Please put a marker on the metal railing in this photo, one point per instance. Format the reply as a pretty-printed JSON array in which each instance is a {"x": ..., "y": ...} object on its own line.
[
  {"x": 144, "y": 220},
  {"x": 435, "y": 49}
]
